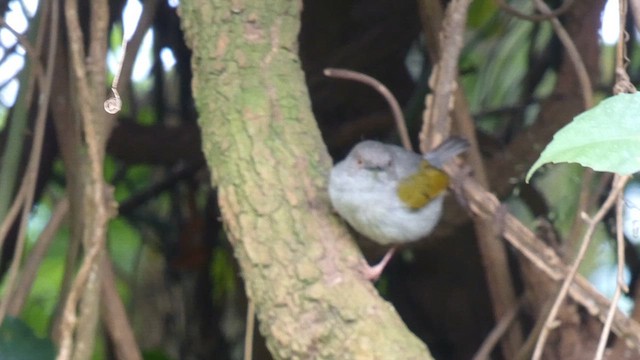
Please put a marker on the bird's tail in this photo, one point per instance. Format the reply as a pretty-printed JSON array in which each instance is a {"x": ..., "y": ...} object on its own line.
[{"x": 446, "y": 151}]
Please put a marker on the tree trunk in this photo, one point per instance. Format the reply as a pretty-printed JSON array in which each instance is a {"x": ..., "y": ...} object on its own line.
[{"x": 270, "y": 167}]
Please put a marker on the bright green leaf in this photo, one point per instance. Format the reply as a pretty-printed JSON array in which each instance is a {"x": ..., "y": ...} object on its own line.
[{"x": 604, "y": 138}]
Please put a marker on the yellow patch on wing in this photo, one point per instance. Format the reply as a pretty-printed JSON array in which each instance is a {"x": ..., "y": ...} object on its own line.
[{"x": 420, "y": 188}]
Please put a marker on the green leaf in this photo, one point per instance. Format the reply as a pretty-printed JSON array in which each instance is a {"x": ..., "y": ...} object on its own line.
[
  {"x": 604, "y": 138},
  {"x": 18, "y": 342}
]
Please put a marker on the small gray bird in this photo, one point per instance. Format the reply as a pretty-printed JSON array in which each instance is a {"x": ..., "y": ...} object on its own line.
[{"x": 391, "y": 195}]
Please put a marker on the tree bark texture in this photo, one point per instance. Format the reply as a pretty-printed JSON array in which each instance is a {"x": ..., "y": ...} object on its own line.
[{"x": 270, "y": 167}]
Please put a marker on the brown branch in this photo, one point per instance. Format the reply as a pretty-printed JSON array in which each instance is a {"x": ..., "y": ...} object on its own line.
[
  {"x": 382, "y": 90},
  {"x": 574, "y": 55},
  {"x": 129, "y": 53},
  {"x": 436, "y": 125},
  {"x": 36, "y": 255},
  {"x": 635, "y": 11},
  {"x": 492, "y": 250},
  {"x": 34, "y": 56},
  {"x": 620, "y": 285},
  {"x": 133, "y": 44},
  {"x": 77, "y": 54},
  {"x": 623, "y": 84},
  {"x": 550, "y": 323},
  {"x": 31, "y": 174},
  {"x": 485, "y": 205},
  {"x": 497, "y": 333},
  {"x": 114, "y": 315},
  {"x": 12, "y": 214},
  {"x": 96, "y": 127},
  {"x": 32, "y": 53}
]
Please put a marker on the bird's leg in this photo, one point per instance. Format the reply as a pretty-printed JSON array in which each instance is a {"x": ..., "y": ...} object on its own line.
[{"x": 373, "y": 272}]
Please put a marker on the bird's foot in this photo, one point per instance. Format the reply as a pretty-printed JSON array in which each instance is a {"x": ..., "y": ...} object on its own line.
[{"x": 373, "y": 273}]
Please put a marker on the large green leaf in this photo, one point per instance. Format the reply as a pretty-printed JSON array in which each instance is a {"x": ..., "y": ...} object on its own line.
[{"x": 605, "y": 138}]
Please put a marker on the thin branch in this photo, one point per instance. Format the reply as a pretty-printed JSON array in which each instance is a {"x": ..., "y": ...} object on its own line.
[
  {"x": 485, "y": 205},
  {"x": 33, "y": 73},
  {"x": 33, "y": 165},
  {"x": 114, "y": 315},
  {"x": 36, "y": 255},
  {"x": 149, "y": 10},
  {"x": 635, "y": 11},
  {"x": 130, "y": 50},
  {"x": 16, "y": 206},
  {"x": 620, "y": 285},
  {"x": 77, "y": 55},
  {"x": 436, "y": 124},
  {"x": 32, "y": 52},
  {"x": 113, "y": 104},
  {"x": 574, "y": 55},
  {"x": 550, "y": 323},
  {"x": 623, "y": 83},
  {"x": 382, "y": 90},
  {"x": 492, "y": 249},
  {"x": 497, "y": 333},
  {"x": 532, "y": 17},
  {"x": 94, "y": 234}
]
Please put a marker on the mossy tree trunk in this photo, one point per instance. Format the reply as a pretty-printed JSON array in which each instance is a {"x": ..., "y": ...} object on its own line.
[{"x": 270, "y": 167}]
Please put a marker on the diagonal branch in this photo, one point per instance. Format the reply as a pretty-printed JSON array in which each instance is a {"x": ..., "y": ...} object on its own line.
[{"x": 485, "y": 205}]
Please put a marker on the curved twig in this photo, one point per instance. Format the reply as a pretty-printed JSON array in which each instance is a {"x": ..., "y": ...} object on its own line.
[
  {"x": 382, "y": 90},
  {"x": 574, "y": 55}
]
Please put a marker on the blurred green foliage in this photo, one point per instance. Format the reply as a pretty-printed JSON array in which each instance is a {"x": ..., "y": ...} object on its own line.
[{"x": 18, "y": 342}]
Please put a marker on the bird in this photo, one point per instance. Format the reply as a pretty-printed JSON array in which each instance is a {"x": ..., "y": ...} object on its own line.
[{"x": 391, "y": 195}]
